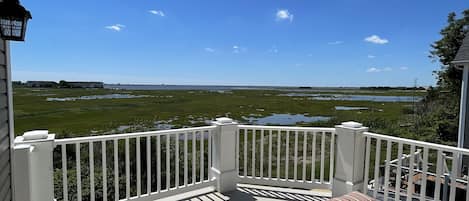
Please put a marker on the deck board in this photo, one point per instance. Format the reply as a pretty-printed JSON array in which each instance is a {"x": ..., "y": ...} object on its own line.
[{"x": 247, "y": 192}]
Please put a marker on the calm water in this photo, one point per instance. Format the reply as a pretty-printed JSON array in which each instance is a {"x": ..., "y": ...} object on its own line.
[
  {"x": 350, "y": 108},
  {"x": 342, "y": 97},
  {"x": 222, "y": 88},
  {"x": 94, "y": 97},
  {"x": 284, "y": 119}
]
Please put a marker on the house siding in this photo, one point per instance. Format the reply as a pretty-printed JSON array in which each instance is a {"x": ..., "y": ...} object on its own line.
[{"x": 5, "y": 149}]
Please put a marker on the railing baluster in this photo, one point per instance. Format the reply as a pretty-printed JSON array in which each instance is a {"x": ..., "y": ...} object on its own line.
[
  {"x": 423, "y": 187},
  {"x": 64, "y": 172},
  {"x": 176, "y": 178},
  {"x": 127, "y": 169},
  {"x": 287, "y": 150},
  {"x": 116, "y": 170},
  {"x": 91, "y": 163},
  {"x": 245, "y": 159},
  {"x": 295, "y": 158},
  {"x": 439, "y": 164},
  {"x": 186, "y": 155},
  {"x": 467, "y": 187},
  {"x": 331, "y": 158},
  {"x": 305, "y": 147},
  {"x": 453, "y": 175},
  {"x": 158, "y": 163},
  {"x": 377, "y": 161},
  {"x": 202, "y": 166},
  {"x": 194, "y": 166},
  {"x": 237, "y": 153},
  {"x": 323, "y": 152},
  {"x": 279, "y": 148},
  {"x": 104, "y": 169},
  {"x": 386, "y": 171},
  {"x": 313, "y": 159},
  {"x": 139, "y": 177},
  {"x": 410, "y": 177},
  {"x": 168, "y": 160},
  {"x": 253, "y": 154},
  {"x": 78, "y": 165},
  {"x": 261, "y": 168},
  {"x": 398, "y": 174},
  {"x": 367, "y": 165},
  {"x": 287, "y": 142},
  {"x": 148, "y": 165},
  {"x": 210, "y": 154},
  {"x": 269, "y": 173}
]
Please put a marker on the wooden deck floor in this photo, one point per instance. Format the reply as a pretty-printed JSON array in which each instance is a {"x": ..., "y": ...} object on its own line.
[{"x": 247, "y": 192}]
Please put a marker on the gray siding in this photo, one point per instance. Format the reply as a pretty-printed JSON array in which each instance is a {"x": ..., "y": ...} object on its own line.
[{"x": 5, "y": 175}]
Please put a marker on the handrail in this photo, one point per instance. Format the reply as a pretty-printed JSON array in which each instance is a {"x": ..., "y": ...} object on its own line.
[
  {"x": 130, "y": 135},
  {"x": 287, "y": 128},
  {"x": 418, "y": 143}
]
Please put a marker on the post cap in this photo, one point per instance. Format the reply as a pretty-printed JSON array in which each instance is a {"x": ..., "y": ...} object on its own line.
[
  {"x": 352, "y": 124},
  {"x": 224, "y": 120},
  {"x": 35, "y": 135}
]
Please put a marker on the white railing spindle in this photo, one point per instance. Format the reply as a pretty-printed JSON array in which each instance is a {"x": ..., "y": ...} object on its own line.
[{"x": 64, "y": 172}]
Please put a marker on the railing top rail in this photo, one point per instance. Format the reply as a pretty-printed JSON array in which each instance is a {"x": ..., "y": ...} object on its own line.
[
  {"x": 130, "y": 135},
  {"x": 289, "y": 128},
  {"x": 418, "y": 143}
]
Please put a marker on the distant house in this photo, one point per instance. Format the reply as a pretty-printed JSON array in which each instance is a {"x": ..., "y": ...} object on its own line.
[
  {"x": 85, "y": 84},
  {"x": 46, "y": 84}
]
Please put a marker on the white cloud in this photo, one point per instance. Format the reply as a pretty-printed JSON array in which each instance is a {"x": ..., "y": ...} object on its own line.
[
  {"x": 237, "y": 49},
  {"x": 373, "y": 70},
  {"x": 378, "y": 70},
  {"x": 337, "y": 42},
  {"x": 207, "y": 49},
  {"x": 376, "y": 40},
  {"x": 404, "y": 68},
  {"x": 371, "y": 56},
  {"x": 157, "y": 12},
  {"x": 116, "y": 27},
  {"x": 283, "y": 14}
]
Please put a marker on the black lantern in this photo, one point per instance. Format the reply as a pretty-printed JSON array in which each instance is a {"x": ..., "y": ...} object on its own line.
[{"x": 13, "y": 20}]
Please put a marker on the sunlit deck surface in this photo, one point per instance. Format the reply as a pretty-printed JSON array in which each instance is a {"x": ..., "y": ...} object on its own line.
[{"x": 246, "y": 192}]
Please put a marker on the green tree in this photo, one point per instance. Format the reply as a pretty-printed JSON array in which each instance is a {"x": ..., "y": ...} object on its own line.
[{"x": 441, "y": 105}]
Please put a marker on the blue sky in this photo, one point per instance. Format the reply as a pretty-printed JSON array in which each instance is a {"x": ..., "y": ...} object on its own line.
[{"x": 233, "y": 42}]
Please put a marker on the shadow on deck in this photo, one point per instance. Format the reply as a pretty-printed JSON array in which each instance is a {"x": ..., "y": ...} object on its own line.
[{"x": 247, "y": 192}]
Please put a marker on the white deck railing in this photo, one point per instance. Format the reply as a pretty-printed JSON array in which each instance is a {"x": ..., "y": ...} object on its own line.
[
  {"x": 163, "y": 162},
  {"x": 286, "y": 156},
  {"x": 402, "y": 168},
  {"x": 150, "y": 165}
]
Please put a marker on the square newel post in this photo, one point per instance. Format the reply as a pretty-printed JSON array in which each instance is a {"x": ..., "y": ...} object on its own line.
[
  {"x": 32, "y": 160},
  {"x": 350, "y": 158},
  {"x": 224, "y": 154}
]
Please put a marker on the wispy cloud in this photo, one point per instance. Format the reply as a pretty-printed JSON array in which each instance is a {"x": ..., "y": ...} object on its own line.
[
  {"x": 404, "y": 68},
  {"x": 157, "y": 12},
  {"x": 211, "y": 50},
  {"x": 115, "y": 27},
  {"x": 237, "y": 49},
  {"x": 376, "y": 40},
  {"x": 378, "y": 70},
  {"x": 284, "y": 14},
  {"x": 337, "y": 42},
  {"x": 370, "y": 56}
]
